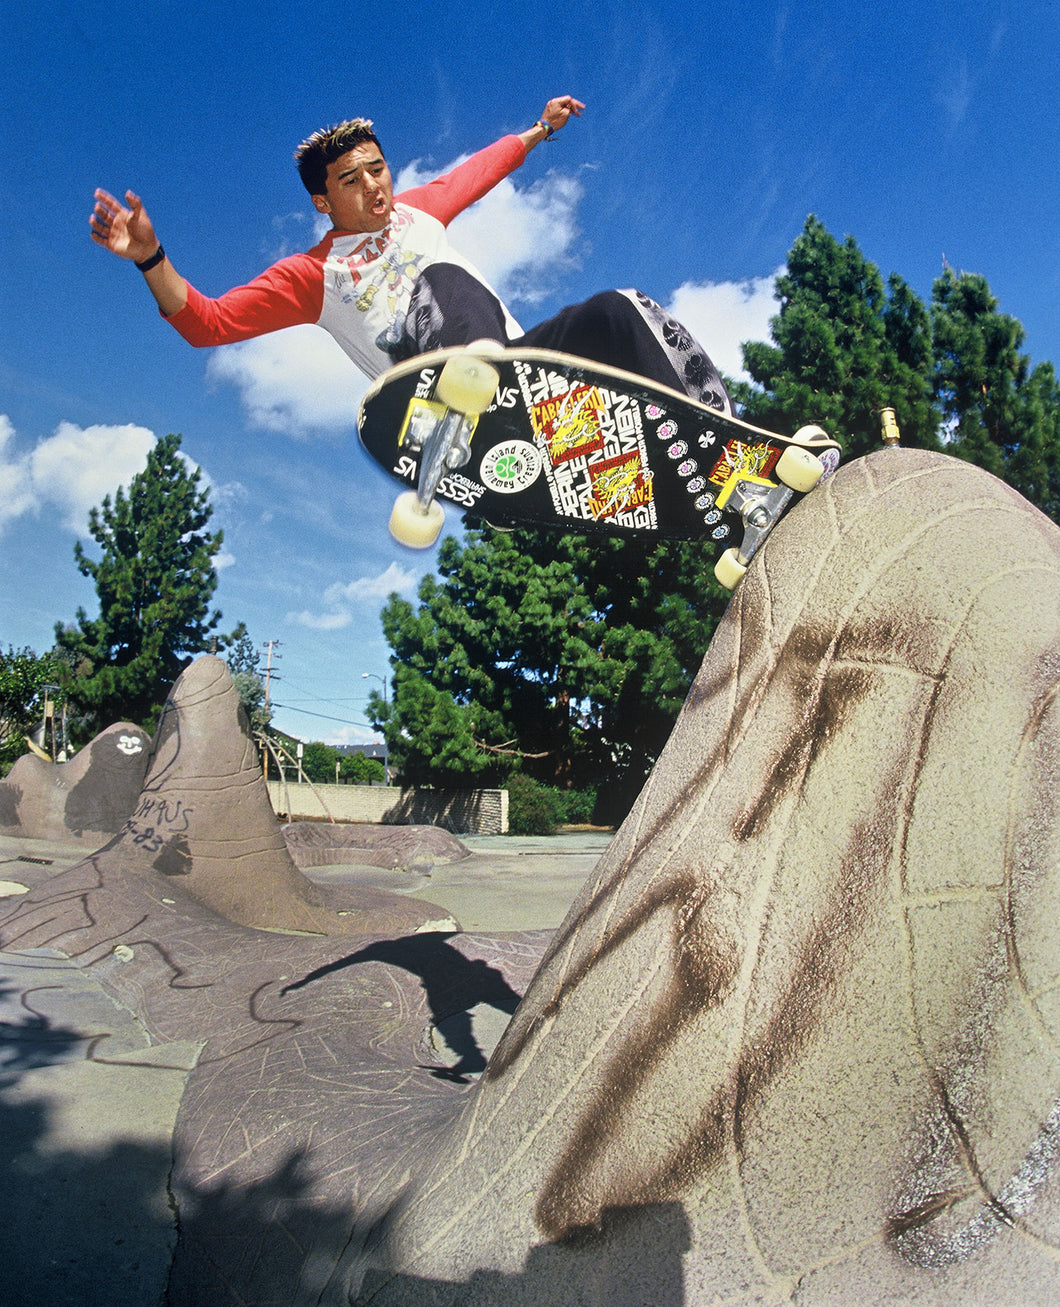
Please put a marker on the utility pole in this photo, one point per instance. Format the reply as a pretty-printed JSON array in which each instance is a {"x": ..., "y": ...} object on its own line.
[
  {"x": 386, "y": 750},
  {"x": 269, "y": 673}
]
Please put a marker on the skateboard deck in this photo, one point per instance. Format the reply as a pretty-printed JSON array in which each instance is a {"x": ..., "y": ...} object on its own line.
[{"x": 539, "y": 438}]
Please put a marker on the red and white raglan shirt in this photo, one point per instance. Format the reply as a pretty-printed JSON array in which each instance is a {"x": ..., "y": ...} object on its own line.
[{"x": 357, "y": 286}]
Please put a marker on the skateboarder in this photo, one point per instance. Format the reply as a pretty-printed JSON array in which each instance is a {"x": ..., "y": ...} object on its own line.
[{"x": 386, "y": 283}]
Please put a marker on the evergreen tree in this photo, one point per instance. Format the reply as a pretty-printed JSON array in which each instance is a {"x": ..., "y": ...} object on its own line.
[
  {"x": 844, "y": 347},
  {"x": 154, "y": 581},
  {"x": 1034, "y": 467},
  {"x": 980, "y": 376},
  {"x": 244, "y": 662},
  {"x": 565, "y": 657}
]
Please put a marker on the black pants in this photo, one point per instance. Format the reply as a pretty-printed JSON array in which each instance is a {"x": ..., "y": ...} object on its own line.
[{"x": 623, "y": 329}]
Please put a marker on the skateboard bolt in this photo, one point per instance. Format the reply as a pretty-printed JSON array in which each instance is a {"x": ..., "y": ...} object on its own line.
[{"x": 758, "y": 517}]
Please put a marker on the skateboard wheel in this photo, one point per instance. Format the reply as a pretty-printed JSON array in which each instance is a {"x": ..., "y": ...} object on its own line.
[
  {"x": 798, "y": 468},
  {"x": 811, "y": 435},
  {"x": 412, "y": 525},
  {"x": 467, "y": 384},
  {"x": 728, "y": 570}
]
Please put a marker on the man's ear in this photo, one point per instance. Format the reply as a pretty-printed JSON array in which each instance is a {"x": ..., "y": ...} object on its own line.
[{"x": 320, "y": 203}]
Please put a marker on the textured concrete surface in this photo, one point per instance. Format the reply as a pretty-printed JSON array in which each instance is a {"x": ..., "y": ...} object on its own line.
[
  {"x": 85, "y": 800},
  {"x": 796, "y": 1040}
]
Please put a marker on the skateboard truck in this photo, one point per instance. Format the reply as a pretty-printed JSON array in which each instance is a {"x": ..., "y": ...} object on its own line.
[
  {"x": 762, "y": 503},
  {"x": 441, "y": 431}
]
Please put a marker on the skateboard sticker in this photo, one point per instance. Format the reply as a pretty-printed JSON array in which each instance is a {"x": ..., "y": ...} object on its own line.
[
  {"x": 593, "y": 442},
  {"x": 618, "y": 485},
  {"x": 749, "y": 460},
  {"x": 570, "y": 423},
  {"x": 510, "y": 467}
]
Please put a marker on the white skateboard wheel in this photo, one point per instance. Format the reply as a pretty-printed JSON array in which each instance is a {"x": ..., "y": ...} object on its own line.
[
  {"x": 412, "y": 525},
  {"x": 798, "y": 468},
  {"x": 728, "y": 570},
  {"x": 467, "y": 384}
]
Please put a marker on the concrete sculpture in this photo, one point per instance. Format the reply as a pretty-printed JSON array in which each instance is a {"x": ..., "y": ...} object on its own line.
[
  {"x": 85, "y": 800},
  {"x": 798, "y": 1038}
]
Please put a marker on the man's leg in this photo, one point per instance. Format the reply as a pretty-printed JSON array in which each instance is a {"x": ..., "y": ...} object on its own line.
[
  {"x": 448, "y": 307},
  {"x": 626, "y": 329}
]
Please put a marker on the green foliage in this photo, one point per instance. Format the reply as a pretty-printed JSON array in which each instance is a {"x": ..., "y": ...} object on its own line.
[
  {"x": 320, "y": 761},
  {"x": 356, "y": 769},
  {"x": 244, "y": 662},
  {"x": 999, "y": 414},
  {"x": 845, "y": 346},
  {"x": 22, "y": 676},
  {"x": 563, "y": 656},
  {"x": 533, "y": 808},
  {"x": 537, "y": 809},
  {"x": 154, "y": 580}
]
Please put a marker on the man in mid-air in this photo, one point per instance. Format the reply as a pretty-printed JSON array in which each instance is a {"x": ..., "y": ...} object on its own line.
[{"x": 385, "y": 281}]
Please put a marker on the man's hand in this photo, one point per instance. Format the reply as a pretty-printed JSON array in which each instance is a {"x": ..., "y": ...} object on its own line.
[
  {"x": 557, "y": 111},
  {"x": 126, "y": 232},
  {"x": 130, "y": 234}
]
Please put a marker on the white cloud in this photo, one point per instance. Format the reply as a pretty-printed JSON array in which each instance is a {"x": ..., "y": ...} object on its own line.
[
  {"x": 18, "y": 496},
  {"x": 722, "y": 315},
  {"x": 296, "y": 381},
  {"x": 70, "y": 471},
  {"x": 321, "y": 621},
  {"x": 341, "y": 598},
  {"x": 520, "y": 238},
  {"x": 221, "y": 561}
]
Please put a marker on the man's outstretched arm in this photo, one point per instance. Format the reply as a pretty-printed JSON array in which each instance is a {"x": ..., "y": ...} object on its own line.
[
  {"x": 557, "y": 112},
  {"x": 129, "y": 233}
]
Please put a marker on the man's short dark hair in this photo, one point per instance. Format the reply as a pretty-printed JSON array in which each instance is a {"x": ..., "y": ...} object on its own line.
[{"x": 324, "y": 147}]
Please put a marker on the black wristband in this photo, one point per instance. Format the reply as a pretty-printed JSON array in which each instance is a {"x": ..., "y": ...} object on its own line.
[{"x": 153, "y": 261}]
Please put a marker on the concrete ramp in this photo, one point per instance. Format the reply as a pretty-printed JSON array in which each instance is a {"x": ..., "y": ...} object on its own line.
[
  {"x": 202, "y": 835},
  {"x": 802, "y": 1028}
]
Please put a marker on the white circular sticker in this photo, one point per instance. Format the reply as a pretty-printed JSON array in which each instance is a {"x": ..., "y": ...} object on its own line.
[{"x": 510, "y": 467}]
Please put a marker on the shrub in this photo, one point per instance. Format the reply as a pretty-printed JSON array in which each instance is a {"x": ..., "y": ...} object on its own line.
[{"x": 533, "y": 808}]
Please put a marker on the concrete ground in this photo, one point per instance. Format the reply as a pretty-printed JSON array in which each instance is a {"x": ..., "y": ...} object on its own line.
[
  {"x": 508, "y": 883},
  {"x": 83, "y": 1097}
]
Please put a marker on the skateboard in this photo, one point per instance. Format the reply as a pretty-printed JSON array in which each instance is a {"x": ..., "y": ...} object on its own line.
[{"x": 540, "y": 438}]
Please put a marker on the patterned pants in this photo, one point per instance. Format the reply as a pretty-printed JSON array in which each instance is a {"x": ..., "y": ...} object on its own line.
[{"x": 621, "y": 328}]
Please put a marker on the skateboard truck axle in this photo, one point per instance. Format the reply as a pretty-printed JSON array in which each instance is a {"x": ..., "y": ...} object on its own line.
[{"x": 760, "y": 512}]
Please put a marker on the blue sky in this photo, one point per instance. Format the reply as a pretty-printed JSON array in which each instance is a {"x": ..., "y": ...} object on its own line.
[{"x": 923, "y": 130}]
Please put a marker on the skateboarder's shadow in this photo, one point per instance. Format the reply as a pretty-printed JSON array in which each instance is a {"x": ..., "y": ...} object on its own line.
[{"x": 453, "y": 984}]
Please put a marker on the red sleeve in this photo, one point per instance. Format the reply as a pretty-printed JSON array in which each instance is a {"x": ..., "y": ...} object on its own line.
[
  {"x": 287, "y": 294},
  {"x": 447, "y": 196}
]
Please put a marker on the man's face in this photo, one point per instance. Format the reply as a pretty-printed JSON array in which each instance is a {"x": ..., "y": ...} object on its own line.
[{"x": 360, "y": 192}]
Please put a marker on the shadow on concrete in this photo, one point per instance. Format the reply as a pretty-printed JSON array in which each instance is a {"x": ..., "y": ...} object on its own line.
[
  {"x": 76, "y": 1228},
  {"x": 453, "y": 984},
  {"x": 632, "y": 1259},
  {"x": 84, "y": 1229}
]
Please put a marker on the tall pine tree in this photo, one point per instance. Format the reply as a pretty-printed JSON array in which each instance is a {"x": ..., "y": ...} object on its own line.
[
  {"x": 845, "y": 345},
  {"x": 155, "y": 580}
]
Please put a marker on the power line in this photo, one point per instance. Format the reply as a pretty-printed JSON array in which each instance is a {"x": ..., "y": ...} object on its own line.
[{"x": 303, "y": 712}]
